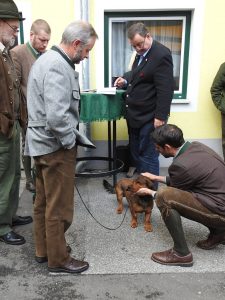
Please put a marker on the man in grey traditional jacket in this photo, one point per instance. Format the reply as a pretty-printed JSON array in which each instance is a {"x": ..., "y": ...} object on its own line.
[
  {"x": 196, "y": 191},
  {"x": 52, "y": 137}
]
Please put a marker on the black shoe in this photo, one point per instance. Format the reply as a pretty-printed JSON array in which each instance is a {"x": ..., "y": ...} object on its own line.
[
  {"x": 12, "y": 238},
  {"x": 30, "y": 186},
  {"x": 43, "y": 259},
  {"x": 21, "y": 220}
]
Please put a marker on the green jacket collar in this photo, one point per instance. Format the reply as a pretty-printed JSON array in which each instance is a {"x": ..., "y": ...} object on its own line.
[
  {"x": 64, "y": 56},
  {"x": 185, "y": 146},
  {"x": 32, "y": 50}
]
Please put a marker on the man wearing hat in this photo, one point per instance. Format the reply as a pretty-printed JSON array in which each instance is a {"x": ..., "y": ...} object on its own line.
[{"x": 12, "y": 117}]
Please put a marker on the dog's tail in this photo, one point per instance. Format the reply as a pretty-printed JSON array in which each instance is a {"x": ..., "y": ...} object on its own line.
[{"x": 109, "y": 188}]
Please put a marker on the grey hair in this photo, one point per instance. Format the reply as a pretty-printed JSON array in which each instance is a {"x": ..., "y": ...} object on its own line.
[
  {"x": 137, "y": 28},
  {"x": 78, "y": 30}
]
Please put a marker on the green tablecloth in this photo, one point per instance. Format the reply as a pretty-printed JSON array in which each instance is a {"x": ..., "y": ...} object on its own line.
[{"x": 101, "y": 107}]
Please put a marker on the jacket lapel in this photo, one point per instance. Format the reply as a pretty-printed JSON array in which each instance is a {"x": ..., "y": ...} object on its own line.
[{"x": 135, "y": 68}]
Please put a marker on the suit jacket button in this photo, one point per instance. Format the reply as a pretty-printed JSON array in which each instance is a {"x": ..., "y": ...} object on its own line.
[{"x": 126, "y": 105}]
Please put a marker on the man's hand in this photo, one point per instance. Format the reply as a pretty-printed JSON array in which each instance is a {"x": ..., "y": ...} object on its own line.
[
  {"x": 158, "y": 122},
  {"x": 119, "y": 82},
  {"x": 145, "y": 192},
  {"x": 150, "y": 176}
]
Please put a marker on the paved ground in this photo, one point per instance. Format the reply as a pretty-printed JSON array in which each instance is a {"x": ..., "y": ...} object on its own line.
[{"x": 120, "y": 264}]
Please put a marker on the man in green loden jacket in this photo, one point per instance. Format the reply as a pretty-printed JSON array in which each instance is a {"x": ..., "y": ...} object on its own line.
[{"x": 218, "y": 96}]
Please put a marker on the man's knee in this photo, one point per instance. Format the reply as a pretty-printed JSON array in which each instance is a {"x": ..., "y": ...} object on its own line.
[{"x": 162, "y": 201}]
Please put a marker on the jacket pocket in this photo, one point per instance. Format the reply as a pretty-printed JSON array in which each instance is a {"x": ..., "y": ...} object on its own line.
[
  {"x": 76, "y": 95},
  {"x": 6, "y": 126}
]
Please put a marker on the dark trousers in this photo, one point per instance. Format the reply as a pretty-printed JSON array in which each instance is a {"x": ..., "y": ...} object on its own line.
[
  {"x": 143, "y": 153},
  {"x": 54, "y": 204},
  {"x": 9, "y": 178},
  {"x": 26, "y": 160}
]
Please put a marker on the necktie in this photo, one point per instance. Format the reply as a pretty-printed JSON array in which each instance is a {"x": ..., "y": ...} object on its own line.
[{"x": 140, "y": 59}]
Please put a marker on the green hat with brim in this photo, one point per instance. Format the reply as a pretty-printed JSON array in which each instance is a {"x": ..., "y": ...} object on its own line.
[{"x": 9, "y": 10}]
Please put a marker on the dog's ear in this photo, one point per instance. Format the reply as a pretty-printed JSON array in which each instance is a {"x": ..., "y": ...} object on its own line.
[
  {"x": 129, "y": 187},
  {"x": 149, "y": 183}
]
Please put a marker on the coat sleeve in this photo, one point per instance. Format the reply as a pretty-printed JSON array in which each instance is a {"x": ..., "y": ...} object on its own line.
[
  {"x": 164, "y": 83},
  {"x": 218, "y": 89},
  {"x": 179, "y": 177}
]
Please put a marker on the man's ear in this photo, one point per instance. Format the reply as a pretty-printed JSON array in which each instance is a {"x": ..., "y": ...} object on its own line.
[
  {"x": 167, "y": 147},
  {"x": 76, "y": 43}
]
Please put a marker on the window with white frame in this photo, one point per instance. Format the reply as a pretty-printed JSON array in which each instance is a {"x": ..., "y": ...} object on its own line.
[{"x": 169, "y": 28}]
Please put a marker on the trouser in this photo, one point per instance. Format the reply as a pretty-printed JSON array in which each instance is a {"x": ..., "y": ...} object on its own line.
[
  {"x": 26, "y": 160},
  {"x": 174, "y": 203},
  {"x": 9, "y": 178},
  {"x": 54, "y": 204},
  {"x": 143, "y": 153},
  {"x": 223, "y": 133}
]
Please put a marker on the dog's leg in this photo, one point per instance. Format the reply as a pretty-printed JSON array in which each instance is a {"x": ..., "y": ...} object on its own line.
[
  {"x": 119, "y": 195},
  {"x": 147, "y": 222},
  {"x": 134, "y": 222}
]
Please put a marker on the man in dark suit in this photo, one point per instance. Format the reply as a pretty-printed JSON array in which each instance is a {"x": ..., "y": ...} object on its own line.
[
  {"x": 196, "y": 191},
  {"x": 149, "y": 92}
]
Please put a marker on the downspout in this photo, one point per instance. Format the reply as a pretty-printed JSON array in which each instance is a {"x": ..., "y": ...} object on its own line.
[{"x": 85, "y": 128}]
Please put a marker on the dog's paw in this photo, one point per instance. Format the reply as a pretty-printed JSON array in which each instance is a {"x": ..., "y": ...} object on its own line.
[
  {"x": 148, "y": 227},
  {"x": 133, "y": 224},
  {"x": 119, "y": 210}
]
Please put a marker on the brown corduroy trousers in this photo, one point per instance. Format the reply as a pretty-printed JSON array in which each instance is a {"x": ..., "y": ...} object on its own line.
[
  {"x": 54, "y": 204},
  {"x": 189, "y": 207}
]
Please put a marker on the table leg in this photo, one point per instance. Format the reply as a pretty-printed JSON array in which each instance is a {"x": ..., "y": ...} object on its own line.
[
  {"x": 114, "y": 152},
  {"x": 109, "y": 145}
]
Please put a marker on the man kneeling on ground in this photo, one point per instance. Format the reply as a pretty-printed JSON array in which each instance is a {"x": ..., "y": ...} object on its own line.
[{"x": 195, "y": 190}]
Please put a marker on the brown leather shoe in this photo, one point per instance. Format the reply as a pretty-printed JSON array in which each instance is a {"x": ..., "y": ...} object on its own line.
[
  {"x": 172, "y": 258},
  {"x": 73, "y": 266},
  {"x": 212, "y": 241},
  {"x": 43, "y": 259}
]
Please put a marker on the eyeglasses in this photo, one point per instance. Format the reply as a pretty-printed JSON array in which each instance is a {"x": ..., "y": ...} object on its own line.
[{"x": 15, "y": 29}]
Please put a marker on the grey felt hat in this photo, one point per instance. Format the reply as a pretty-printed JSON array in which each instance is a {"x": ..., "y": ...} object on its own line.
[{"x": 9, "y": 10}]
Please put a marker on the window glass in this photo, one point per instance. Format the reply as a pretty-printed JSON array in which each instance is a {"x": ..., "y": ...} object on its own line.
[{"x": 172, "y": 31}]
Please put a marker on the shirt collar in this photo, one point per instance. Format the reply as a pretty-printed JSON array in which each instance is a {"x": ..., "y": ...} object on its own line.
[{"x": 63, "y": 52}]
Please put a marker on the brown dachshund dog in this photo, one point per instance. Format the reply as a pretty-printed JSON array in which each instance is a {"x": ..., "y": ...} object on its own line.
[{"x": 137, "y": 204}]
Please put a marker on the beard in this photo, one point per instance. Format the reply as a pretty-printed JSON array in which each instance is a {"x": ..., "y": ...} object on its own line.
[
  {"x": 77, "y": 57},
  {"x": 8, "y": 42},
  {"x": 166, "y": 155}
]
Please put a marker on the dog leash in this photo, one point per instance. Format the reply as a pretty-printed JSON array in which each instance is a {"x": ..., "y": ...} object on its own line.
[{"x": 109, "y": 228}]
